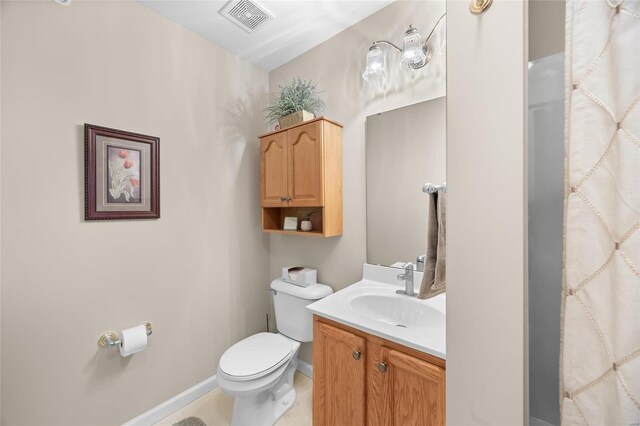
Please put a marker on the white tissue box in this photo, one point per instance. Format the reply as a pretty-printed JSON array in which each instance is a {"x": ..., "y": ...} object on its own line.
[{"x": 304, "y": 277}]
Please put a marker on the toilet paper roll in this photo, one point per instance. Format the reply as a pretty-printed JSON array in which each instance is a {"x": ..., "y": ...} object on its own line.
[{"x": 133, "y": 340}]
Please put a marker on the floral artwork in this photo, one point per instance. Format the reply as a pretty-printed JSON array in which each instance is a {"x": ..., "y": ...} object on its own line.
[{"x": 123, "y": 175}]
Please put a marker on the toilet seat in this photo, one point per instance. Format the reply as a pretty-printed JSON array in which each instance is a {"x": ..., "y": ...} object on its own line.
[{"x": 256, "y": 356}]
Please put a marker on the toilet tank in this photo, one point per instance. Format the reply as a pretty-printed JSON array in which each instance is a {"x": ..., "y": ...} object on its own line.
[{"x": 290, "y": 301}]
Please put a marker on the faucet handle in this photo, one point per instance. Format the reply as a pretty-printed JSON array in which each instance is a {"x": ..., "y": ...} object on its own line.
[
  {"x": 408, "y": 278},
  {"x": 408, "y": 272}
]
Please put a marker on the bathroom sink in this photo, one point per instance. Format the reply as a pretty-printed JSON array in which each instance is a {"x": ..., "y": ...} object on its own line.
[
  {"x": 397, "y": 310},
  {"x": 373, "y": 306}
]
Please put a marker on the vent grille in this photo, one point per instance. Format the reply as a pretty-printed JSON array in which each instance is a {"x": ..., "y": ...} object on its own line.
[{"x": 245, "y": 14}]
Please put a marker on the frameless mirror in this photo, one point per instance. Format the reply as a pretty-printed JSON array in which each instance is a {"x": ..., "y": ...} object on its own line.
[{"x": 405, "y": 148}]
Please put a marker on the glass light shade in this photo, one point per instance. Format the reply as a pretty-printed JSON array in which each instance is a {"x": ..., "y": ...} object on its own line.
[
  {"x": 376, "y": 71},
  {"x": 412, "y": 55}
]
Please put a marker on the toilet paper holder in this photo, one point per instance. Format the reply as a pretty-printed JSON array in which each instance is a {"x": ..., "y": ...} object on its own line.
[{"x": 111, "y": 339}]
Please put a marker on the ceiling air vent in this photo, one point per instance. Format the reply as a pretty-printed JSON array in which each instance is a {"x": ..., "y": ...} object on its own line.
[{"x": 246, "y": 14}]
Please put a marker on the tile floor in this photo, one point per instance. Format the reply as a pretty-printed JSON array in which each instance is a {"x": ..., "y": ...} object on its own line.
[{"x": 215, "y": 407}]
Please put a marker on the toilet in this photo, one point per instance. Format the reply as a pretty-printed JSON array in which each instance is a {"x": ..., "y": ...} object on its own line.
[{"x": 258, "y": 371}]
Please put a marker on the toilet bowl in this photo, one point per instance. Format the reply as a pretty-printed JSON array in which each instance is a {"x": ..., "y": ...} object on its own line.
[{"x": 258, "y": 371}]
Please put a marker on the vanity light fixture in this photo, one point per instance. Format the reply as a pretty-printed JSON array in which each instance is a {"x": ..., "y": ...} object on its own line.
[
  {"x": 376, "y": 71},
  {"x": 415, "y": 54}
]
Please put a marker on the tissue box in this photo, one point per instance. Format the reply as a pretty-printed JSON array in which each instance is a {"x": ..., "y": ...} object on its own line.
[{"x": 298, "y": 275}]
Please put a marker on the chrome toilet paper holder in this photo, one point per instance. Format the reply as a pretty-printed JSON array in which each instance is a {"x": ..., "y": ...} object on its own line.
[{"x": 111, "y": 339}]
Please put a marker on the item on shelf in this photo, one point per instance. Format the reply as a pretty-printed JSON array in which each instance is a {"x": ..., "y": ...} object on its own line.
[
  {"x": 290, "y": 223},
  {"x": 306, "y": 224}
]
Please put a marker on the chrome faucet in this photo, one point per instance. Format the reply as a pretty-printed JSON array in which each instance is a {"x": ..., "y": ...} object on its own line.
[
  {"x": 420, "y": 262},
  {"x": 408, "y": 280}
]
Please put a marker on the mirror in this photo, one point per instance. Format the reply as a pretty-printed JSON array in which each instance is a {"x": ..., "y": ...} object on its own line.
[{"x": 405, "y": 148}]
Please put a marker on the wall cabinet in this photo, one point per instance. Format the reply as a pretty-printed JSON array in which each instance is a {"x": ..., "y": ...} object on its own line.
[
  {"x": 361, "y": 379},
  {"x": 301, "y": 169}
]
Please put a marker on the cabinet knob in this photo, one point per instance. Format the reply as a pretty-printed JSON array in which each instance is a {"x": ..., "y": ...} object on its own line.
[
  {"x": 382, "y": 366},
  {"x": 356, "y": 355},
  {"x": 283, "y": 198}
]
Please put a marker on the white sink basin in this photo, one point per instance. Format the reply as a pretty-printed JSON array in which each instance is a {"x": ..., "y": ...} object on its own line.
[
  {"x": 372, "y": 305},
  {"x": 397, "y": 310}
]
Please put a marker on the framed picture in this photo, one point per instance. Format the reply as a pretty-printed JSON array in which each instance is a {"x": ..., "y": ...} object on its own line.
[
  {"x": 290, "y": 223},
  {"x": 122, "y": 174}
]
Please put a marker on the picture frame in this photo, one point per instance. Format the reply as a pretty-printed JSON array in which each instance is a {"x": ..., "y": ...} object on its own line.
[
  {"x": 122, "y": 174},
  {"x": 290, "y": 223}
]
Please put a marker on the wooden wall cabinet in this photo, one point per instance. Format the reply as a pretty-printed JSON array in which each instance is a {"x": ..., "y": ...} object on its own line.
[
  {"x": 360, "y": 379},
  {"x": 301, "y": 169}
]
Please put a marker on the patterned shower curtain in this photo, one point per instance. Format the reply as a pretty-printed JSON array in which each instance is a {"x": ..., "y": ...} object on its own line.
[{"x": 600, "y": 360}]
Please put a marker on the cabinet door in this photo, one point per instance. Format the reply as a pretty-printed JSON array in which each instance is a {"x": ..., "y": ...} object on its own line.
[
  {"x": 412, "y": 390},
  {"x": 305, "y": 165},
  {"x": 338, "y": 377},
  {"x": 273, "y": 170}
]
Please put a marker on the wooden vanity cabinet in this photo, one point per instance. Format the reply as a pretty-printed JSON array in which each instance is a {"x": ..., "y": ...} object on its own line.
[
  {"x": 361, "y": 379},
  {"x": 340, "y": 388},
  {"x": 301, "y": 169}
]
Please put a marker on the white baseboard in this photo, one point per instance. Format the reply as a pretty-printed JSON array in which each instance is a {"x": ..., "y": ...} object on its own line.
[
  {"x": 163, "y": 410},
  {"x": 169, "y": 407},
  {"x": 305, "y": 368}
]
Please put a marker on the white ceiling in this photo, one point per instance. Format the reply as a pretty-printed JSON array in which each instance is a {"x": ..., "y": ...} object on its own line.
[{"x": 296, "y": 27}]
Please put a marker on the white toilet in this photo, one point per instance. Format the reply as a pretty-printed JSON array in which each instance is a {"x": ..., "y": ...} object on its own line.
[{"x": 258, "y": 371}]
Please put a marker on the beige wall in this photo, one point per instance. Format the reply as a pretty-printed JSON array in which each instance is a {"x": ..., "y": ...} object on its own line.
[
  {"x": 486, "y": 214},
  {"x": 546, "y": 28},
  {"x": 0, "y": 211},
  {"x": 337, "y": 66},
  {"x": 199, "y": 273}
]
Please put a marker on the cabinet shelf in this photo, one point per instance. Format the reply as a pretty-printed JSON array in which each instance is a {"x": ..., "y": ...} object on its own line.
[
  {"x": 283, "y": 232},
  {"x": 273, "y": 221}
]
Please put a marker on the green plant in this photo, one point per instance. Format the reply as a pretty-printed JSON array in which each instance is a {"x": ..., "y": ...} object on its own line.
[
  {"x": 307, "y": 214},
  {"x": 296, "y": 95}
]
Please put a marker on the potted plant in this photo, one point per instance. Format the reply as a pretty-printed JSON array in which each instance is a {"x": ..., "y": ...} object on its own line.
[
  {"x": 305, "y": 224},
  {"x": 298, "y": 101}
]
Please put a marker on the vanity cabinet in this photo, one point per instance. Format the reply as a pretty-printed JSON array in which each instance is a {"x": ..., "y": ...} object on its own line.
[
  {"x": 339, "y": 391},
  {"x": 361, "y": 379},
  {"x": 301, "y": 169}
]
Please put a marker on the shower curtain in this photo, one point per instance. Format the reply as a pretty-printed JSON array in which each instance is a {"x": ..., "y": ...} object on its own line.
[{"x": 600, "y": 358}]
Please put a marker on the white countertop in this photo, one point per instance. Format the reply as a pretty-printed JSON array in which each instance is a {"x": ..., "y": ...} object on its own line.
[{"x": 372, "y": 305}]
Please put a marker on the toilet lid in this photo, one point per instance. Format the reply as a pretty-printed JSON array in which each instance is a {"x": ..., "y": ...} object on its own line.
[{"x": 256, "y": 356}]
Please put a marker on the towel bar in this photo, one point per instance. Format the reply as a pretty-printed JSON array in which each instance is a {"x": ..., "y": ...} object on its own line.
[{"x": 430, "y": 188}]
